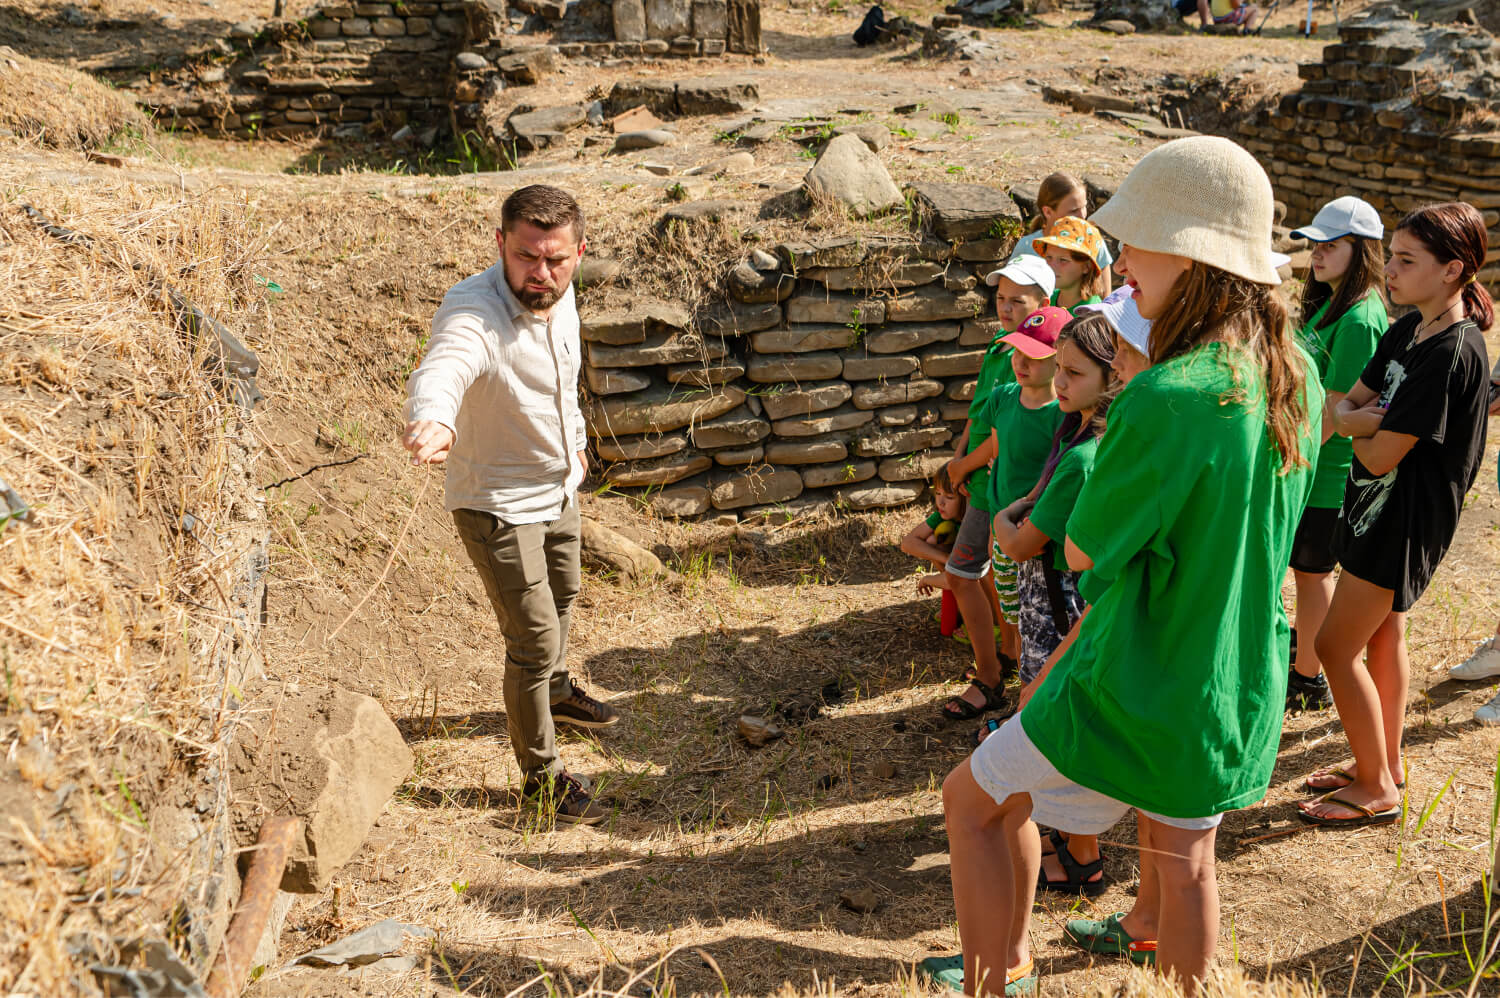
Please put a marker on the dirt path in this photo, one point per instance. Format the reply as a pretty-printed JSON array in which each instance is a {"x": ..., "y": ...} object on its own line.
[{"x": 710, "y": 844}]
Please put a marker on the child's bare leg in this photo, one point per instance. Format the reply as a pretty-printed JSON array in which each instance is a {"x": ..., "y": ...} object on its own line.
[
  {"x": 1359, "y": 611},
  {"x": 1314, "y": 594},
  {"x": 994, "y": 858},
  {"x": 1189, "y": 891},
  {"x": 1083, "y": 849},
  {"x": 1143, "y": 920},
  {"x": 979, "y": 624},
  {"x": 1390, "y": 669}
]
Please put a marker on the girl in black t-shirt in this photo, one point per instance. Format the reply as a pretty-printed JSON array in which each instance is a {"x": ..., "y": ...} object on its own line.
[{"x": 1417, "y": 418}]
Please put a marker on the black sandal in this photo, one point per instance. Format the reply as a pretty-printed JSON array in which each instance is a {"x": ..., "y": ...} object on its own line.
[
  {"x": 1009, "y": 669},
  {"x": 1077, "y": 873},
  {"x": 965, "y": 711}
]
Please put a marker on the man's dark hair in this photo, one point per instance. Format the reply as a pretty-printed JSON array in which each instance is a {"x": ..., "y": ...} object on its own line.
[{"x": 542, "y": 206}]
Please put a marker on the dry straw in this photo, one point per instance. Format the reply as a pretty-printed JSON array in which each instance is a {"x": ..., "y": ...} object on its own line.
[
  {"x": 62, "y": 107},
  {"x": 119, "y": 615}
]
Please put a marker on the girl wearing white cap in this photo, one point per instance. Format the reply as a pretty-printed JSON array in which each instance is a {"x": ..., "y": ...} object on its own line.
[
  {"x": 1417, "y": 417},
  {"x": 1343, "y": 318},
  {"x": 1170, "y": 698}
]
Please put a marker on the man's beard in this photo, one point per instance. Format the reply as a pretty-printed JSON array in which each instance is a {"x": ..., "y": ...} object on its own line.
[{"x": 538, "y": 300}]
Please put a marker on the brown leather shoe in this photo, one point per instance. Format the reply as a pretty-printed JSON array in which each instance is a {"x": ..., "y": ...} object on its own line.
[
  {"x": 583, "y": 711},
  {"x": 566, "y": 797}
]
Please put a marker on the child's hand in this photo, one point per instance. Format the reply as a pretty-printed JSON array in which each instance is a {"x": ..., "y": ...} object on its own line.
[{"x": 929, "y": 584}]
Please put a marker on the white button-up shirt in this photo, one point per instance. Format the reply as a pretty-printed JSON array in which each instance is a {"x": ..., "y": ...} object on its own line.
[{"x": 505, "y": 381}]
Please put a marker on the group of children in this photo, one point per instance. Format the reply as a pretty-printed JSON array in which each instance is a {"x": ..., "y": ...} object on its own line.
[{"x": 1138, "y": 473}]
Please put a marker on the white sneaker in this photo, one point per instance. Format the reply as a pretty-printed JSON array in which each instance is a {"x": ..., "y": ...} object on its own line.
[
  {"x": 1483, "y": 664},
  {"x": 1490, "y": 712}
]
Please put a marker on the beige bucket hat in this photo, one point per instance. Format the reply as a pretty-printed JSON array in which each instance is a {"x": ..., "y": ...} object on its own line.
[{"x": 1204, "y": 198}]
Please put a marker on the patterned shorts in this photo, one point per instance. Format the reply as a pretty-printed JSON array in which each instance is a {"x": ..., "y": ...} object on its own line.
[
  {"x": 1004, "y": 572},
  {"x": 1039, "y": 635}
]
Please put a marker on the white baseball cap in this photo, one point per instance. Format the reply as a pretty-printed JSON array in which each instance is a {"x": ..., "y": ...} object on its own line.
[
  {"x": 1345, "y": 216},
  {"x": 1024, "y": 270},
  {"x": 1121, "y": 311}
]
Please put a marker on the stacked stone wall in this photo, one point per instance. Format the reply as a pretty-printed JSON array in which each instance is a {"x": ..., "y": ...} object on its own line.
[
  {"x": 428, "y": 64},
  {"x": 1396, "y": 114},
  {"x": 830, "y": 374}
]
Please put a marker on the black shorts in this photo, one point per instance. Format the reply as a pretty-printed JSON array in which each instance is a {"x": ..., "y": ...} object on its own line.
[
  {"x": 1186, "y": 8},
  {"x": 1313, "y": 547}
]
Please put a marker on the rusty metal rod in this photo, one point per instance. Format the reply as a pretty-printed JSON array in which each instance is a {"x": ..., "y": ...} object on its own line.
[{"x": 257, "y": 896}]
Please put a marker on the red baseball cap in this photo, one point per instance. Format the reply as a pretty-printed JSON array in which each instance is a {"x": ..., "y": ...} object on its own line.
[{"x": 1037, "y": 337}]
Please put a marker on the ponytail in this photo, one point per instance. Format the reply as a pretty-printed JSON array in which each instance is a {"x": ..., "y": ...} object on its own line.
[{"x": 1479, "y": 305}]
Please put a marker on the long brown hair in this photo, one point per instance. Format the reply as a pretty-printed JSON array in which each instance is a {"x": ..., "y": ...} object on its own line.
[
  {"x": 1209, "y": 304},
  {"x": 1053, "y": 188},
  {"x": 1092, "y": 334},
  {"x": 1455, "y": 230},
  {"x": 1365, "y": 276}
]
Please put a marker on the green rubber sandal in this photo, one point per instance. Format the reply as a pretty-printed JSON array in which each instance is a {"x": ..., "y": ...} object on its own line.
[
  {"x": 1106, "y": 935},
  {"x": 948, "y": 971}
]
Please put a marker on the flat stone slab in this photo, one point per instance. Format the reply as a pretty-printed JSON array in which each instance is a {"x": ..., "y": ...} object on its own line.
[
  {"x": 762, "y": 485},
  {"x": 874, "y": 394},
  {"x": 845, "y": 417},
  {"x": 658, "y": 471},
  {"x": 818, "y": 476},
  {"x": 733, "y": 429},
  {"x": 806, "y": 451},
  {"x": 930, "y": 304},
  {"x": 621, "y": 327},
  {"x": 868, "y": 368},
  {"x": 660, "y": 348},
  {"x": 902, "y": 337},
  {"x": 835, "y": 308},
  {"x": 658, "y": 410},
  {"x": 967, "y": 211},
  {"x": 640, "y": 448},
  {"x": 801, "y": 339},
  {"x": 771, "y": 368},
  {"x": 901, "y": 442},
  {"x": 614, "y": 381},
  {"x": 705, "y": 375},
  {"x": 786, "y": 401}
]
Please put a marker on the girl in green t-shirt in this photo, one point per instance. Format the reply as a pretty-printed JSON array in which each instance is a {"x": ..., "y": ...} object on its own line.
[
  {"x": 1170, "y": 698},
  {"x": 1031, "y": 531},
  {"x": 1343, "y": 313}
]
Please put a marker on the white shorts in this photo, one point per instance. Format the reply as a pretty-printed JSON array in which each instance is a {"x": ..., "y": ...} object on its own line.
[{"x": 1008, "y": 763}]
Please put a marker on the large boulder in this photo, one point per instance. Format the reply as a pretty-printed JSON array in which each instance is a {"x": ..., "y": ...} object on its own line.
[
  {"x": 325, "y": 754},
  {"x": 850, "y": 174},
  {"x": 1147, "y": 15}
]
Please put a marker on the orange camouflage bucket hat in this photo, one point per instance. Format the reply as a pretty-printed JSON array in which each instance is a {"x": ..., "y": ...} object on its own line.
[{"x": 1073, "y": 234}]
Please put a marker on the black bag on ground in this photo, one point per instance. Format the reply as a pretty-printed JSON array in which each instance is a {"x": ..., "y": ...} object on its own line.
[{"x": 870, "y": 28}]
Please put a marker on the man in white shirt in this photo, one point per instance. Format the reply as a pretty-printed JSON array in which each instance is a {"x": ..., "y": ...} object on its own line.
[{"x": 496, "y": 397}]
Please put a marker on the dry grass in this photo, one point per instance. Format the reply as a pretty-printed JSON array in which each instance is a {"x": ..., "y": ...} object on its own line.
[
  {"x": 115, "y": 622},
  {"x": 62, "y": 107}
]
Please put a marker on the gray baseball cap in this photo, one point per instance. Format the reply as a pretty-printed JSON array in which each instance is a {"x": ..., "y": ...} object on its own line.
[{"x": 1345, "y": 216}]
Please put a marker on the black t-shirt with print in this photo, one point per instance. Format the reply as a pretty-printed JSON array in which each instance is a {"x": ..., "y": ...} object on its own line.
[{"x": 1395, "y": 528}]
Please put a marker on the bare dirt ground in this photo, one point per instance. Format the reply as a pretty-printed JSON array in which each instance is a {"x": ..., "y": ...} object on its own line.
[{"x": 742, "y": 853}]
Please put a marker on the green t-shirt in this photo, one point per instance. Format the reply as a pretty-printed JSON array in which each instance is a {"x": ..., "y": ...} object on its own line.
[
  {"x": 994, "y": 370},
  {"x": 1341, "y": 352},
  {"x": 1172, "y": 697},
  {"x": 1090, "y": 300},
  {"x": 1055, "y": 504},
  {"x": 1025, "y": 437}
]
